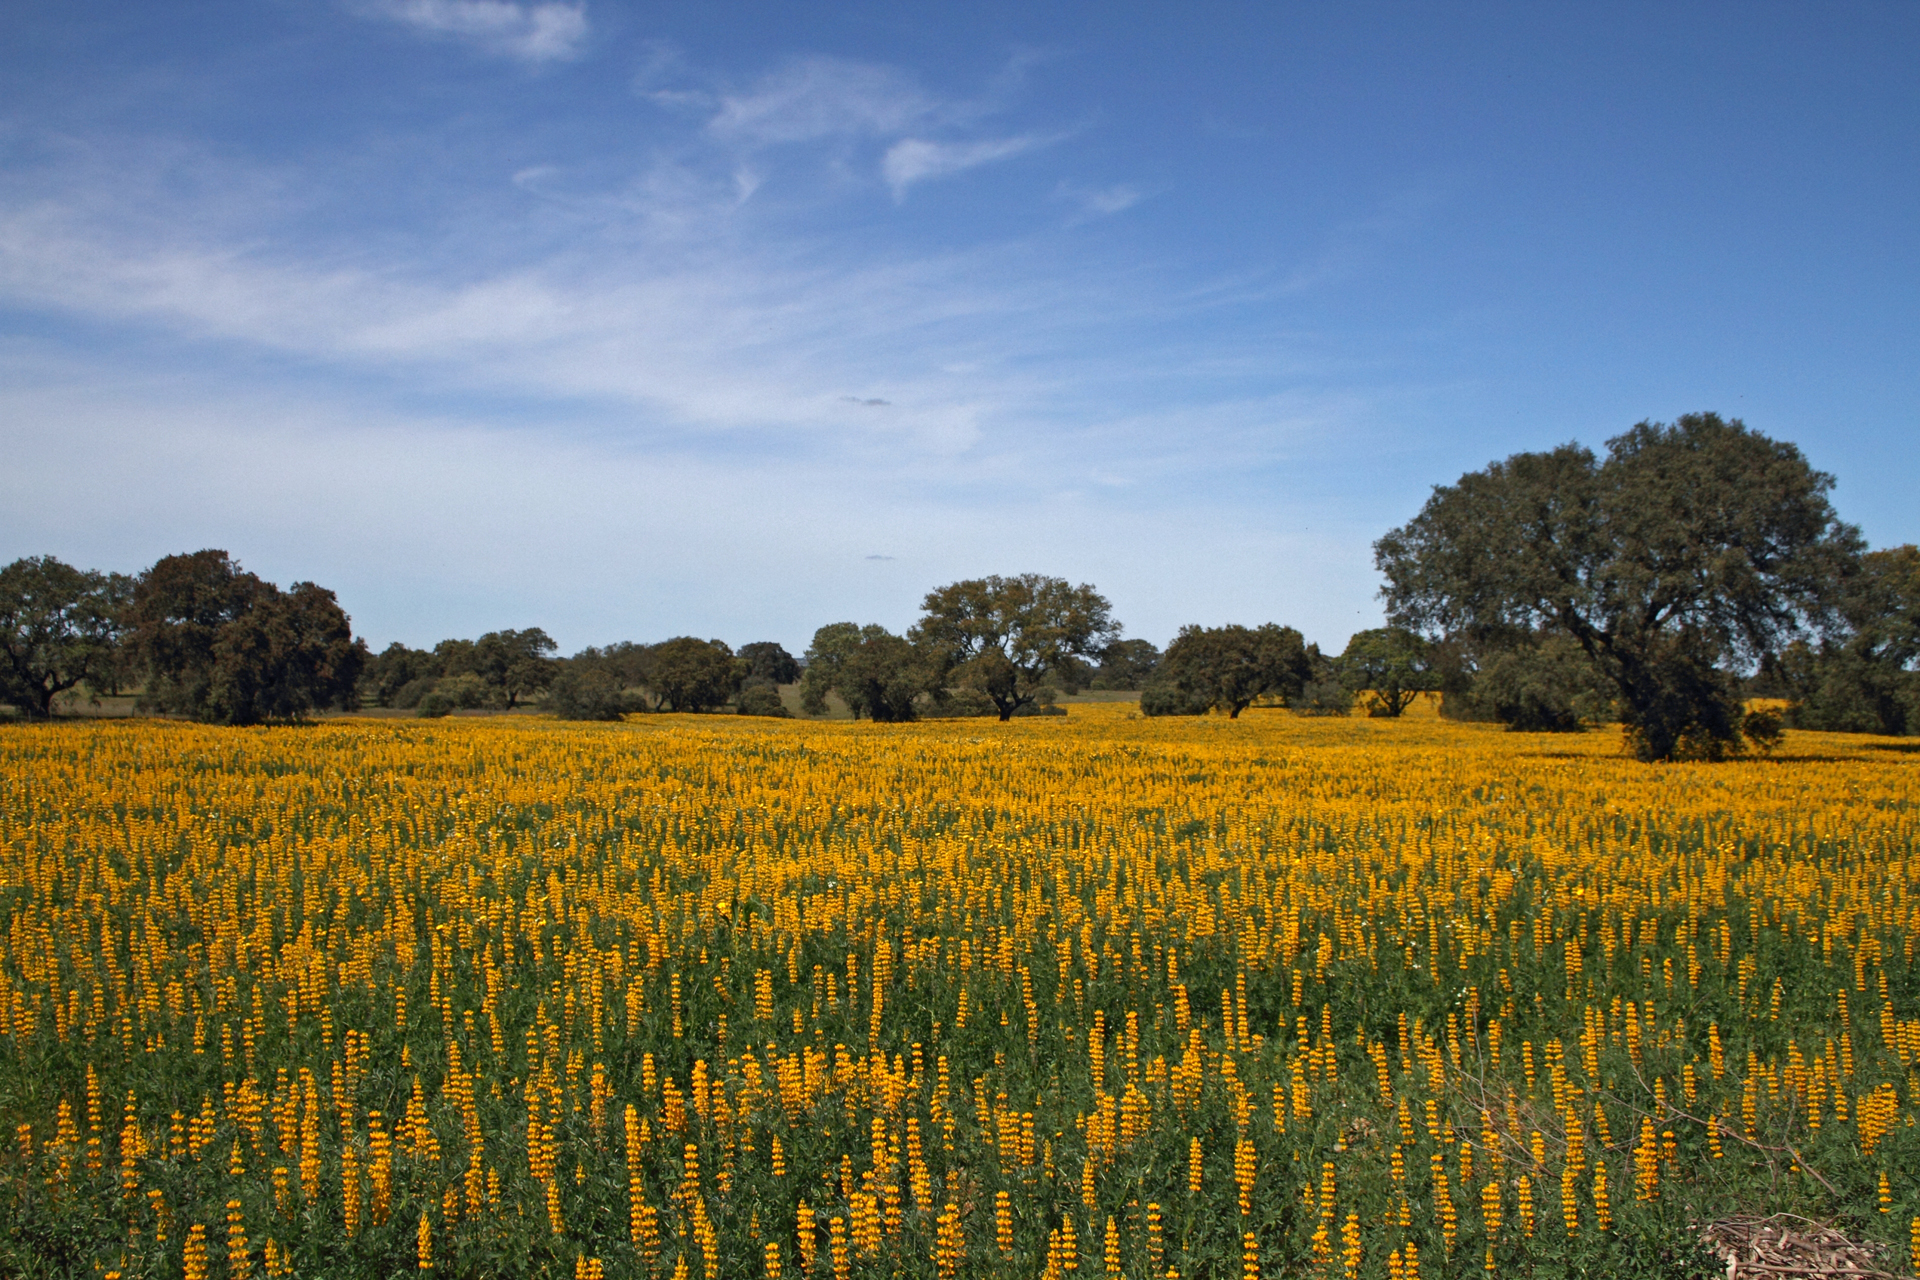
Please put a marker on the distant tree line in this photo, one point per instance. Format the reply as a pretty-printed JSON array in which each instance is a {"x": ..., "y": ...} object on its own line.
[
  {"x": 1697, "y": 565},
  {"x": 200, "y": 637}
]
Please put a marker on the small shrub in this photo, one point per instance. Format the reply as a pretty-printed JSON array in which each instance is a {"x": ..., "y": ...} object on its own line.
[
  {"x": 408, "y": 696},
  {"x": 454, "y": 693},
  {"x": 761, "y": 697},
  {"x": 587, "y": 695},
  {"x": 967, "y": 704},
  {"x": 1323, "y": 698},
  {"x": 1762, "y": 729},
  {"x": 1165, "y": 698}
]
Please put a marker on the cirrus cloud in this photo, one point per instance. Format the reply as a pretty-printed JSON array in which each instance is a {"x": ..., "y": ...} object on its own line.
[
  {"x": 546, "y": 32},
  {"x": 912, "y": 160},
  {"x": 814, "y": 98},
  {"x": 1097, "y": 202}
]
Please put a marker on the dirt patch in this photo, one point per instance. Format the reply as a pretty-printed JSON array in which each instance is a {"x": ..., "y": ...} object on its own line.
[{"x": 1785, "y": 1245}]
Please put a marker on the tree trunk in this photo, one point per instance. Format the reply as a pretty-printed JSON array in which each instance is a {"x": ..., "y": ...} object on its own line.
[{"x": 43, "y": 693}]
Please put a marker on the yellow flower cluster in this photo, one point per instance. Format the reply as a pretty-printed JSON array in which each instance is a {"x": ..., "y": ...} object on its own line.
[{"x": 691, "y": 997}]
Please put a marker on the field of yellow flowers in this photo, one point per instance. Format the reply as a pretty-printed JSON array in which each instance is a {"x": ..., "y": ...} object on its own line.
[{"x": 1093, "y": 996}]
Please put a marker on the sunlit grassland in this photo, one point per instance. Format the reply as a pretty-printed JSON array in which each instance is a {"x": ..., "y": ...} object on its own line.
[{"x": 726, "y": 997}]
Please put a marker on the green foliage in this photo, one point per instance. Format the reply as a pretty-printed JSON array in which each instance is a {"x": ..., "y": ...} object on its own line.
[
  {"x": 770, "y": 662},
  {"x": 587, "y": 694},
  {"x": 1228, "y": 667},
  {"x": 963, "y": 704},
  {"x": 1126, "y": 664},
  {"x": 1683, "y": 707},
  {"x": 628, "y": 663},
  {"x": 289, "y": 655},
  {"x": 514, "y": 664},
  {"x": 1165, "y": 698},
  {"x": 434, "y": 705},
  {"x": 408, "y": 696},
  {"x": 1690, "y": 548},
  {"x": 219, "y": 644},
  {"x": 463, "y": 692},
  {"x": 1836, "y": 689},
  {"x": 760, "y": 696},
  {"x": 689, "y": 674},
  {"x": 453, "y": 657},
  {"x": 1861, "y": 679},
  {"x": 876, "y": 673},
  {"x": 1042, "y": 706},
  {"x": 625, "y": 667},
  {"x": 826, "y": 658},
  {"x": 1322, "y": 698},
  {"x": 1764, "y": 729},
  {"x": 394, "y": 669},
  {"x": 181, "y": 608},
  {"x": 1388, "y": 667},
  {"x": 1545, "y": 684},
  {"x": 1009, "y": 638},
  {"x": 59, "y": 628}
]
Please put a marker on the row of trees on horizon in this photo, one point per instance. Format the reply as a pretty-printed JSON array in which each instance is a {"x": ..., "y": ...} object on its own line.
[
  {"x": 200, "y": 637},
  {"x": 1696, "y": 565}
]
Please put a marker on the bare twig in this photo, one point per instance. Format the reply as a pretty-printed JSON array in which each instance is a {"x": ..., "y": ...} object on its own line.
[
  {"x": 1802, "y": 1162},
  {"x": 1780, "y": 1269},
  {"x": 1759, "y": 1248},
  {"x": 1719, "y": 1125}
]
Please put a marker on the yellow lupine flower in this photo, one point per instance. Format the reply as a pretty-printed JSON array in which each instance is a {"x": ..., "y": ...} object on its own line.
[{"x": 529, "y": 904}]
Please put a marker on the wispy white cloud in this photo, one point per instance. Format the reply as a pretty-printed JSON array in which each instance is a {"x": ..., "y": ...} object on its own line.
[
  {"x": 667, "y": 200},
  {"x": 866, "y": 114},
  {"x": 815, "y": 98},
  {"x": 193, "y": 463},
  {"x": 912, "y": 160},
  {"x": 672, "y": 334},
  {"x": 1097, "y": 202},
  {"x": 686, "y": 315},
  {"x": 668, "y": 296},
  {"x": 550, "y": 31},
  {"x": 698, "y": 335}
]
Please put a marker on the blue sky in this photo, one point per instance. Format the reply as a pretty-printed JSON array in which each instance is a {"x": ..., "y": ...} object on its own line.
[{"x": 631, "y": 321}]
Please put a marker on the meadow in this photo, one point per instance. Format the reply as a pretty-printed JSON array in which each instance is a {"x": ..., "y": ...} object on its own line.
[{"x": 704, "y": 997}]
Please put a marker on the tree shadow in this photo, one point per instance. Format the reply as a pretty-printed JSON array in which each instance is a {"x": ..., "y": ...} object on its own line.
[{"x": 1778, "y": 757}]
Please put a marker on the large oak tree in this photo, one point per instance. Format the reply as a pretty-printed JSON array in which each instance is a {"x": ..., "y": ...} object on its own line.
[
  {"x": 1008, "y": 637},
  {"x": 514, "y": 664},
  {"x": 1388, "y": 667},
  {"x": 691, "y": 674},
  {"x": 220, "y": 644},
  {"x": 1690, "y": 549},
  {"x": 58, "y": 629},
  {"x": 876, "y": 673},
  {"x": 1228, "y": 668}
]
